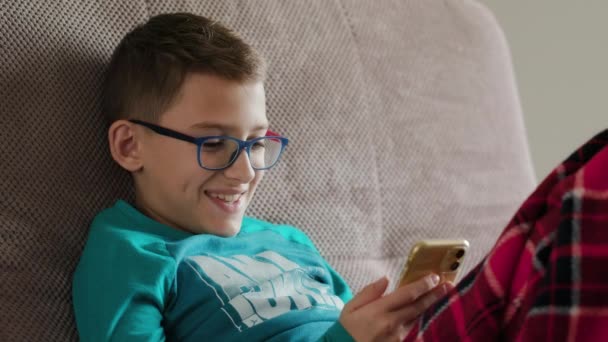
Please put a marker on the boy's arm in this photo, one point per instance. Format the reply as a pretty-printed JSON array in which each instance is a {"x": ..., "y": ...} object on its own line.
[
  {"x": 338, "y": 284},
  {"x": 336, "y": 333},
  {"x": 341, "y": 288},
  {"x": 371, "y": 315},
  {"x": 119, "y": 290}
]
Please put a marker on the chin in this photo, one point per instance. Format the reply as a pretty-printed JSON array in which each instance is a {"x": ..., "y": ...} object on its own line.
[
  {"x": 225, "y": 228},
  {"x": 227, "y": 232}
]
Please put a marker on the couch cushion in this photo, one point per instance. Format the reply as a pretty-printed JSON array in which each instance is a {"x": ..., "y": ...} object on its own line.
[{"x": 403, "y": 118}]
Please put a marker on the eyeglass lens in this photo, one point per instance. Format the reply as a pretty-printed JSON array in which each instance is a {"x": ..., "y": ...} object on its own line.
[{"x": 220, "y": 152}]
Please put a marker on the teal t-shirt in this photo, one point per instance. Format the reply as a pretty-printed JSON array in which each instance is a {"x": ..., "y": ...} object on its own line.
[{"x": 140, "y": 280}]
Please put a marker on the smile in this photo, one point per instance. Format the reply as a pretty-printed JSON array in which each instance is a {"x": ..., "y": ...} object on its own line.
[{"x": 226, "y": 198}]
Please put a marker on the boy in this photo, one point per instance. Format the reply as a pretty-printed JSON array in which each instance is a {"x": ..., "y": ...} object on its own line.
[{"x": 185, "y": 99}]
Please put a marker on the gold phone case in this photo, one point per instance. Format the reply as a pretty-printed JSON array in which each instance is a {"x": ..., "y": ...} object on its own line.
[{"x": 442, "y": 257}]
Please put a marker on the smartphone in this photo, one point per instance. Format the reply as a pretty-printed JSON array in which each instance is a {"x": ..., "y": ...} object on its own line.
[{"x": 442, "y": 257}]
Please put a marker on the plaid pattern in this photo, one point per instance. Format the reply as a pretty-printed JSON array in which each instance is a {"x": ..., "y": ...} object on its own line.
[{"x": 546, "y": 279}]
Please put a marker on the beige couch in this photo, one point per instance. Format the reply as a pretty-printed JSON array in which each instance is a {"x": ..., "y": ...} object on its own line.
[{"x": 403, "y": 117}]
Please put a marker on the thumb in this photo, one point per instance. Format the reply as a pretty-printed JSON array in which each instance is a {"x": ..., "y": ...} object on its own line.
[{"x": 369, "y": 293}]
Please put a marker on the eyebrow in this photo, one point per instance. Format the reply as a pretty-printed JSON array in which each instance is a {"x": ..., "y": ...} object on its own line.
[{"x": 226, "y": 127}]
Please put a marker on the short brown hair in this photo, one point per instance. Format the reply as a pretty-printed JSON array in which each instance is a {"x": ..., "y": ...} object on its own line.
[{"x": 151, "y": 62}]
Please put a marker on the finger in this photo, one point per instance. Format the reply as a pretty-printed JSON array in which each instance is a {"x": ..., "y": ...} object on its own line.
[
  {"x": 369, "y": 293},
  {"x": 450, "y": 285},
  {"x": 411, "y": 312},
  {"x": 398, "y": 323},
  {"x": 403, "y": 331},
  {"x": 408, "y": 294}
]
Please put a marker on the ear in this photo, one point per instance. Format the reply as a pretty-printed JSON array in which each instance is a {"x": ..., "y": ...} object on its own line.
[{"x": 125, "y": 145}]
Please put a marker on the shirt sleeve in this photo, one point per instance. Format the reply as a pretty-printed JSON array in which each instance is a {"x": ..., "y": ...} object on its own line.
[
  {"x": 336, "y": 333},
  {"x": 339, "y": 285},
  {"x": 120, "y": 287},
  {"x": 341, "y": 288}
]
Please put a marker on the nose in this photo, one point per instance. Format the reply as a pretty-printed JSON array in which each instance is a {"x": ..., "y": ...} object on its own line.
[{"x": 241, "y": 168}]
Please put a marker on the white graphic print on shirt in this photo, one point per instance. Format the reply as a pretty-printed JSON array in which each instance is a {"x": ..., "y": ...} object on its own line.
[{"x": 258, "y": 288}]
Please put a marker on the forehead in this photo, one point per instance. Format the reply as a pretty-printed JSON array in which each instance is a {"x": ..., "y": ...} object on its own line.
[{"x": 207, "y": 100}]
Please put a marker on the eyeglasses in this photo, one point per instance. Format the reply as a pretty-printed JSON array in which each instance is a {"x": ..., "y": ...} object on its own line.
[{"x": 219, "y": 152}]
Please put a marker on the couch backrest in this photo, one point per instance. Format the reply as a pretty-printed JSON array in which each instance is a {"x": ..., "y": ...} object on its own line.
[{"x": 403, "y": 118}]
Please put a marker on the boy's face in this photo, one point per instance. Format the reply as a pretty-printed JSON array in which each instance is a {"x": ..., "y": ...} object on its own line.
[{"x": 171, "y": 187}]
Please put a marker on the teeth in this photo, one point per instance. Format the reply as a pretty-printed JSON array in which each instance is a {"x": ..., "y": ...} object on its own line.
[{"x": 226, "y": 198}]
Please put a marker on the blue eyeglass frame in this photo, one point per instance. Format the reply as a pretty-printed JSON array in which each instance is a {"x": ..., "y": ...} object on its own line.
[{"x": 242, "y": 144}]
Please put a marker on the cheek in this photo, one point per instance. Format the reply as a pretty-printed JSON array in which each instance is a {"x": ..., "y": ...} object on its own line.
[
  {"x": 183, "y": 177},
  {"x": 182, "y": 165},
  {"x": 256, "y": 180},
  {"x": 197, "y": 178},
  {"x": 174, "y": 159}
]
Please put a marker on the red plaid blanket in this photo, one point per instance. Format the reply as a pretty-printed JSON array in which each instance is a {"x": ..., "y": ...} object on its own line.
[{"x": 546, "y": 279}]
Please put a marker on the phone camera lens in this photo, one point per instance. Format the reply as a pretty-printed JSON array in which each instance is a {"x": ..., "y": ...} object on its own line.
[
  {"x": 460, "y": 253},
  {"x": 454, "y": 266}
]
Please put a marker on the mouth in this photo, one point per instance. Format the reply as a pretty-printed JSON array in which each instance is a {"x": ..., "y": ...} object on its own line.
[{"x": 229, "y": 203}]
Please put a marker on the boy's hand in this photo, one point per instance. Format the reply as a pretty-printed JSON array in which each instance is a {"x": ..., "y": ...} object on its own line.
[{"x": 370, "y": 316}]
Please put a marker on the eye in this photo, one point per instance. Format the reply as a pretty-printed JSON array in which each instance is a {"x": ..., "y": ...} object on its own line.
[
  {"x": 259, "y": 145},
  {"x": 214, "y": 144}
]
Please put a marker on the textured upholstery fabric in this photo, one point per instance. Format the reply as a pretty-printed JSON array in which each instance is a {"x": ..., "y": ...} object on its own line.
[{"x": 403, "y": 118}]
